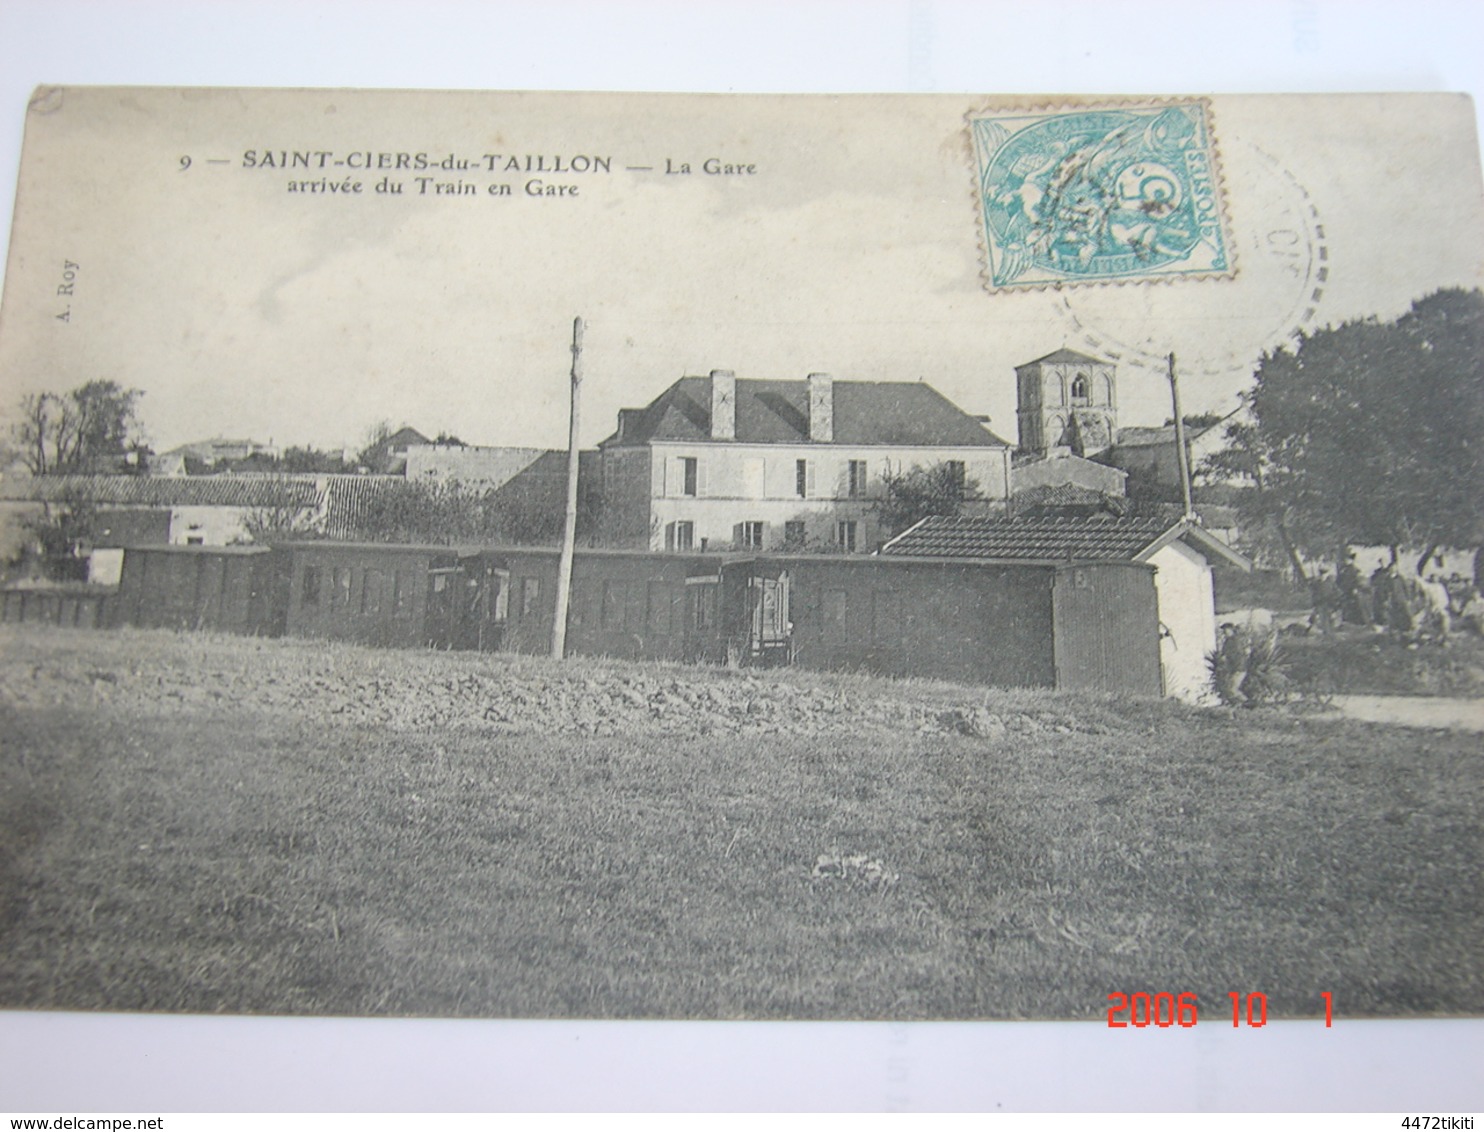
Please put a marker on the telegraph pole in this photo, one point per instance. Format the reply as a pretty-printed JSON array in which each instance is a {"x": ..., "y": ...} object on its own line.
[
  {"x": 569, "y": 530},
  {"x": 1182, "y": 457}
]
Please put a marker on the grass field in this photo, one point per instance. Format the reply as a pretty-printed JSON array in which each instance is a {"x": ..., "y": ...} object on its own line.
[{"x": 211, "y": 824}]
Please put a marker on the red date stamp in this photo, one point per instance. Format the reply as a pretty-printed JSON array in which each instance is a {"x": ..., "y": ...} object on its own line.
[{"x": 1164, "y": 1010}]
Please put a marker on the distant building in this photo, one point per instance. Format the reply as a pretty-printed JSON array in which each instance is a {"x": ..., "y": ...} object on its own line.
[
  {"x": 1152, "y": 450},
  {"x": 209, "y": 453},
  {"x": 157, "y": 511},
  {"x": 389, "y": 456},
  {"x": 719, "y": 462},
  {"x": 1036, "y": 471},
  {"x": 1070, "y": 437}
]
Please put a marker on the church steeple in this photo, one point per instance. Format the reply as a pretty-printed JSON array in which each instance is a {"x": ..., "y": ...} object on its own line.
[{"x": 1067, "y": 400}]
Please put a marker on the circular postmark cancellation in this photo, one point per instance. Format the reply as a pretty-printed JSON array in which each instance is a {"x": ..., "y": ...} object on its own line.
[
  {"x": 1285, "y": 270},
  {"x": 1101, "y": 194}
]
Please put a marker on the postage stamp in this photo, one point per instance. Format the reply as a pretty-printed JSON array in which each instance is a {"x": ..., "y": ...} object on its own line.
[{"x": 1103, "y": 194}]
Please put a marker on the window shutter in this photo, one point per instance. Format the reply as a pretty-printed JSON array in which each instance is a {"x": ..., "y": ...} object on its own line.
[
  {"x": 669, "y": 536},
  {"x": 736, "y": 534}
]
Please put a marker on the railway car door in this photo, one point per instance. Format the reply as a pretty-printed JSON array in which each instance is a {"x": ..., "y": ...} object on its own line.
[
  {"x": 445, "y": 578},
  {"x": 480, "y": 599},
  {"x": 771, "y": 636}
]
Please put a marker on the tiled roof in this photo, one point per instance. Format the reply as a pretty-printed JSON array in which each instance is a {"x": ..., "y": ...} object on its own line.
[
  {"x": 1140, "y": 437},
  {"x": 167, "y": 491},
  {"x": 1064, "y": 355},
  {"x": 1097, "y": 539},
  {"x": 1068, "y": 495},
  {"x": 1102, "y": 538},
  {"x": 777, "y": 412},
  {"x": 349, "y": 498}
]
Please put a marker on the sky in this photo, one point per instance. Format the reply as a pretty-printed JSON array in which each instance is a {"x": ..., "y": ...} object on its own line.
[{"x": 248, "y": 299}]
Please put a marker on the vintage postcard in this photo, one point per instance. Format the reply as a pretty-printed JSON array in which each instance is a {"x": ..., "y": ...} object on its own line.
[{"x": 743, "y": 557}]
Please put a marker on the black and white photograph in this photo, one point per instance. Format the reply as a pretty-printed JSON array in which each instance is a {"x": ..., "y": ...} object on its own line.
[{"x": 743, "y": 557}]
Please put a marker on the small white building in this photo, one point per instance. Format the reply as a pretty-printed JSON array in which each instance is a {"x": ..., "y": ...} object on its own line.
[
  {"x": 1181, "y": 554},
  {"x": 158, "y": 510}
]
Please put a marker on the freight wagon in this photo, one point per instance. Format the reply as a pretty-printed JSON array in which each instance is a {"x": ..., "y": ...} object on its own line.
[{"x": 1082, "y": 625}]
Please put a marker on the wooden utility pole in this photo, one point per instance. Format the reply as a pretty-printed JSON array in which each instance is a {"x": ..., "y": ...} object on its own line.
[
  {"x": 1182, "y": 456},
  {"x": 569, "y": 530}
]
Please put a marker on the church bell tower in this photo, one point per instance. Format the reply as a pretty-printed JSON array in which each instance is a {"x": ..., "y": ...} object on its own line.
[{"x": 1067, "y": 400}]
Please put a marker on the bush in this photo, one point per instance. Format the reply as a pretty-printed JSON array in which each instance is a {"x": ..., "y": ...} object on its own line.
[{"x": 1248, "y": 669}]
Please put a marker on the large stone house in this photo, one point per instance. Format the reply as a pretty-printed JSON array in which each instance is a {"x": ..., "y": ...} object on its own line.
[{"x": 716, "y": 462}]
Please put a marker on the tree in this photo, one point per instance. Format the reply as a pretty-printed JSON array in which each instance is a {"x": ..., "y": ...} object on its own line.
[
  {"x": 1267, "y": 522},
  {"x": 94, "y": 428},
  {"x": 311, "y": 459},
  {"x": 374, "y": 448},
  {"x": 62, "y": 530},
  {"x": 446, "y": 511},
  {"x": 914, "y": 494},
  {"x": 1370, "y": 432}
]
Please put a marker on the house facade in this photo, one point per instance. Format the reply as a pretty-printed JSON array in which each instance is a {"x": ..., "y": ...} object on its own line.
[{"x": 719, "y": 463}]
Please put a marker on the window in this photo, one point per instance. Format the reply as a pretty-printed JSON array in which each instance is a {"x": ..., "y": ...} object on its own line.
[
  {"x": 793, "y": 533},
  {"x": 311, "y": 585},
  {"x": 340, "y": 583},
  {"x": 886, "y": 625},
  {"x": 615, "y": 600},
  {"x": 856, "y": 483},
  {"x": 195, "y": 540},
  {"x": 834, "y": 612},
  {"x": 371, "y": 592},
  {"x": 1080, "y": 389},
  {"x": 702, "y": 604},
  {"x": 956, "y": 477},
  {"x": 688, "y": 472},
  {"x": 659, "y": 607},
  {"x": 401, "y": 592},
  {"x": 681, "y": 535},
  {"x": 845, "y": 534},
  {"x": 801, "y": 478},
  {"x": 749, "y": 536},
  {"x": 530, "y": 596}
]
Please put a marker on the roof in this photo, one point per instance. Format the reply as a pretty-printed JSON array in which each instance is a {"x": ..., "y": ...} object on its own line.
[
  {"x": 1065, "y": 355},
  {"x": 777, "y": 412},
  {"x": 1141, "y": 437},
  {"x": 1069, "y": 495},
  {"x": 351, "y": 496},
  {"x": 403, "y": 437},
  {"x": 1098, "y": 539},
  {"x": 166, "y": 491}
]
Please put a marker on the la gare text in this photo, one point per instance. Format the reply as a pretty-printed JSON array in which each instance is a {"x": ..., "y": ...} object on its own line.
[{"x": 432, "y": 171}]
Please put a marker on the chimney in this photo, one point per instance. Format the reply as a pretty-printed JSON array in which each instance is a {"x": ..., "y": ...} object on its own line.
[
  {"x": 723, "y": 405},
  {"x": 821, "y": 407}
]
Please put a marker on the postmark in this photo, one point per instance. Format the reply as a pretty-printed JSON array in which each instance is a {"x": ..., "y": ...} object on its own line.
[
  {"x": 1111, "y": 193},
  {"x": 1286, "y": 270}
]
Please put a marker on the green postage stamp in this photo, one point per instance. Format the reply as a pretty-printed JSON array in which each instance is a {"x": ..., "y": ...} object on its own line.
[{"x": 1107, "y": 194}]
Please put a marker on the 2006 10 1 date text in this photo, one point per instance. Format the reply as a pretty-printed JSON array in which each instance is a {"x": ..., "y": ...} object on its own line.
[{"x": 1165, "y": 1010}]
